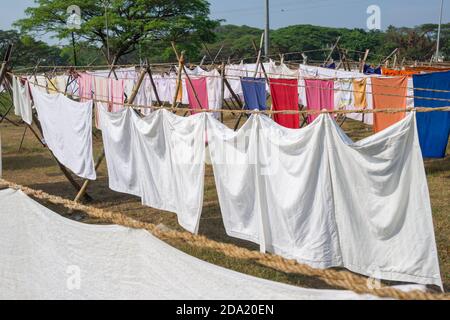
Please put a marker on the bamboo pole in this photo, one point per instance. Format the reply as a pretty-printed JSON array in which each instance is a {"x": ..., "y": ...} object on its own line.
[
  {"x": 83, "y": 189},
  {"x": 155, "y": 90},
  {"x": 389, "y": 56},
  {"x": 113, "y": 67},
  {"x": 222, "y": 88},
  {"x": 180, "y": 73},
  {"x": 193, "y": 89},
  {"x": 363, "y": 61},
  {"x": 63, "y": 169},
  {"x": 332, "y": 50}
]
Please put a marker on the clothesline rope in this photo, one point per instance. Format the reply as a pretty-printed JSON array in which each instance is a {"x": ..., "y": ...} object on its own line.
[
  {"x": 299, "y": 77},
  {"x": 343, "y": 279},
  {"x": 319, "y": 87},
  {"x": 246, "y": 111}
]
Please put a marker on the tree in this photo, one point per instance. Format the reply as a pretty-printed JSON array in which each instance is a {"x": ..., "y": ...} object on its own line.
[
  {"x": 130, "y": 22},
  {"x": 27, "y": 51}
]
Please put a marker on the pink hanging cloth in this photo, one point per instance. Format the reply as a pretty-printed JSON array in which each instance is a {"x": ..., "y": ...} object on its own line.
[
  {"x": 199, "y": 85},
  {"x": 116, "y": 94},
  {"x": 319, "y": 95},
  {"x": 85, "y": 87}
]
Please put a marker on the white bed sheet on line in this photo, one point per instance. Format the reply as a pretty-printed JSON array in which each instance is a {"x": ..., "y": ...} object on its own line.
[
  {"x": 67, "y": 129},
  {"x": 160, "y": 158},
  {"x": 312, "y": 195}
]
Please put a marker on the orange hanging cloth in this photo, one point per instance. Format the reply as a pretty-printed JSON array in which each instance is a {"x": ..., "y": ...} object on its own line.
[
  {"x": 393, "y": 72},
  {"x": 388, "y": 93},
  {"x": 427, "y": 69},
  {"x": 359, "y": 93}
]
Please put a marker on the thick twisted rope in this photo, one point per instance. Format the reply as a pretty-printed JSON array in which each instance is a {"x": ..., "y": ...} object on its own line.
[{"x": 343, "y": 279}]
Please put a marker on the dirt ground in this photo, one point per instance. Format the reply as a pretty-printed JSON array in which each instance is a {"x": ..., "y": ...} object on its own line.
[{"x": 33, "y": 166}]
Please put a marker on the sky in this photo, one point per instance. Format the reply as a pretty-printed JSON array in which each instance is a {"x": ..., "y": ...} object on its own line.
[{"x": 331, "y": 13}]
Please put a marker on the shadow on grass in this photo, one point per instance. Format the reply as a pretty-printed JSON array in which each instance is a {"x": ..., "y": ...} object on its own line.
[{"x": 27, "y": 162}]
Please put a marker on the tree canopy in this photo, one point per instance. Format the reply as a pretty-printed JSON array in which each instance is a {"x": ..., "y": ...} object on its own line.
[
  {"x": 27, "y": 51},
  {"x": 417, "y": 43},
  {"x": 130, "y": 22}
]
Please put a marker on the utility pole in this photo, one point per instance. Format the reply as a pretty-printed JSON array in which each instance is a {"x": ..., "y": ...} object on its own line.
[
  {"x": 439, "y": 32},
  {"x": 266, "y": 34}
]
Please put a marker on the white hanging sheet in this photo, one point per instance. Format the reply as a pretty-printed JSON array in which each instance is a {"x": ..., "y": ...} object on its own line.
[
  {"x": 382, "y": 204},
  {"x": 120, "y": 154},
  {"x": 67, "y": 129},
  {"x": 273, "y": 199},
  {"x": 170, "y": 152},
  {"x": 159, "y": 158},
  {"x": 22, "y": 100},
  {"x": 312, "y": 195}
]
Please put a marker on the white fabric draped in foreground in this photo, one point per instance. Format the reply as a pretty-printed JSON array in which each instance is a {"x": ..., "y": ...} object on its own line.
[
  {"x": 67, "y": 129},
  {"x": 312, "y": 195},
  {"x": 159, "y": 158},
  {"x": 46, "y": 256}
]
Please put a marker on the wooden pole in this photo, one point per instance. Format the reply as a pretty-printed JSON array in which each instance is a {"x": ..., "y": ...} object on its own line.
[
  {"x": 193, "y": 89},
  {"x": 402, "y": 63},
  {"x": 216, "y": 56},
  {"x": 203, "y": 61},
  {"x": 233, "y": 94},
  {"x": 83, "y": 188},
  {"x": 331, "y": 51},
  {"x": 222, "y": 88},
  {"x": 208, "y": 52},
  {"x": 138, "y": 84},
  {"x": 60, "y": 165},
  {"x": 389, "y": 56},
  {"x": 363, "y": 61},
  {"x": 113, "y": 67},
  {"x": 5, "y": 63},
  {"x": 180, "y": 73},
  {"x": 155, "y": 90},
  {"x": 23, "y": 138},
  {"x": 258, "y": 58}
]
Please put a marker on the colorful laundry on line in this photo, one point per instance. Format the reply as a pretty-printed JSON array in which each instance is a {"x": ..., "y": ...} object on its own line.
[
  {"x": 388, "y": 93},
  {"x": 254, "y": 91},
  {"x": 433, "y": 127},
  {"x": 285, "y": 97},
  {"x": 319, "y": 95}
]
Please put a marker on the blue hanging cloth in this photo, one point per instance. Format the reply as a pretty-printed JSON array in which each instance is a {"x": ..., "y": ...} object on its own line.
[
  {"x": 254, "y": 90},
  {"x": 370, "y": 70},
  {"x": 433, "y": 127}
]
